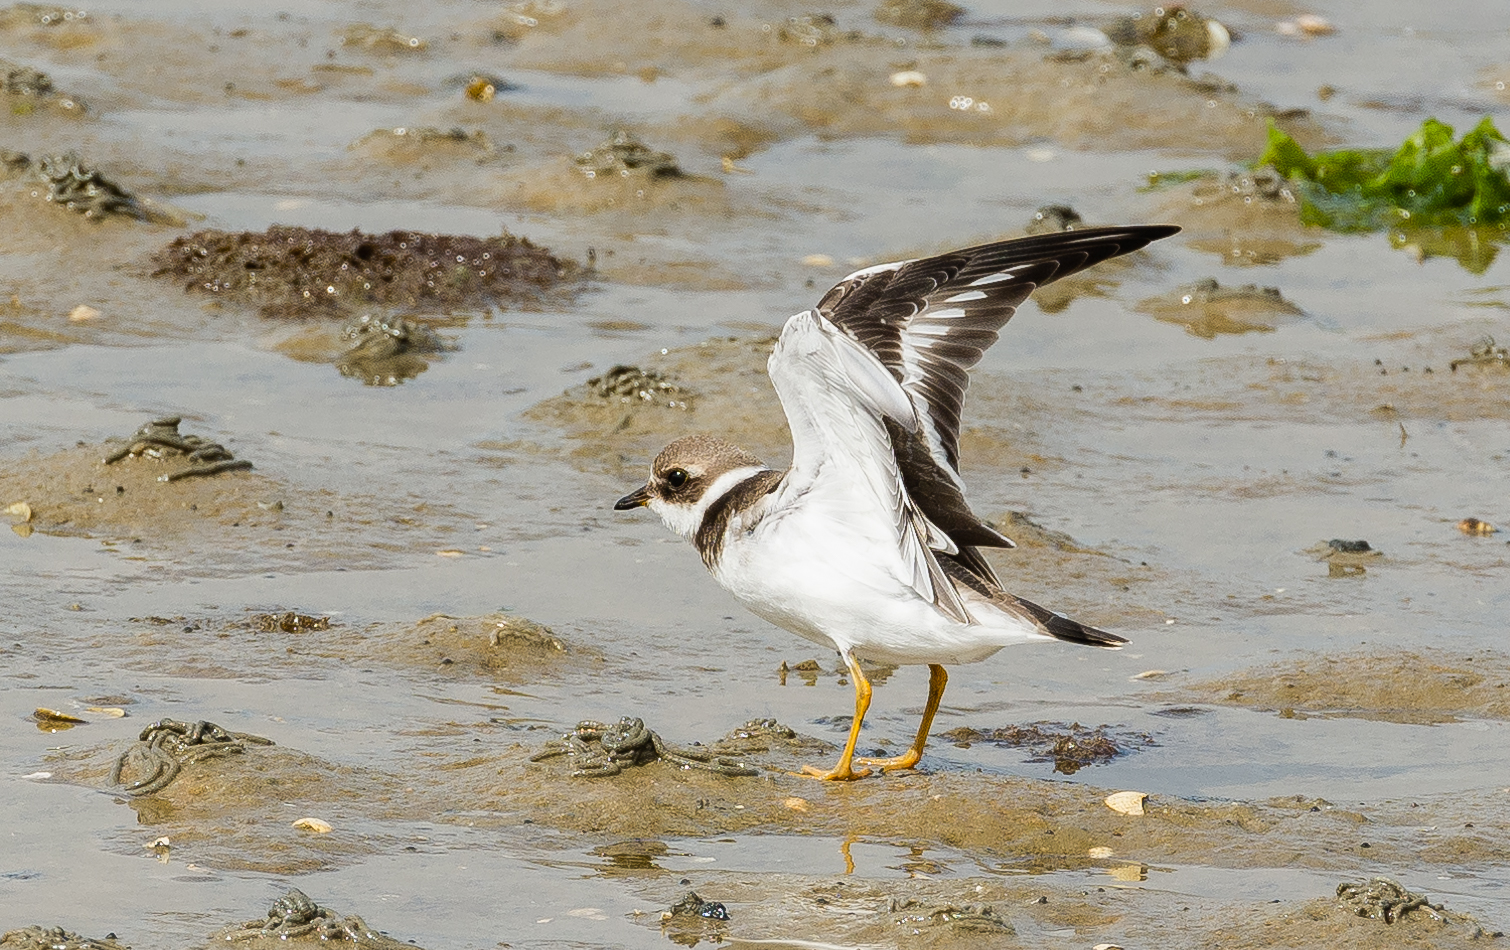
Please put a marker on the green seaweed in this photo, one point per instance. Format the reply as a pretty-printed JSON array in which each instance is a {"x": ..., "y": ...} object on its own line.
[
  {"x": 1429, "y": 181},
  {"x": 1436, "y": 196}
]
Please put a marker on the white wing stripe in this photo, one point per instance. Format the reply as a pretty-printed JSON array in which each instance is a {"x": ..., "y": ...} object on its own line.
[
  {"x": 990, "y": 279},
  {"x": 924, "y": 329},
  {"x": 966, "y": 296}
]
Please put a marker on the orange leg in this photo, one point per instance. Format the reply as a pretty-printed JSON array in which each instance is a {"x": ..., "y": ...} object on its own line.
[
  {"x": 937, "y": 680},
  {"x": 842, "y": 772}
]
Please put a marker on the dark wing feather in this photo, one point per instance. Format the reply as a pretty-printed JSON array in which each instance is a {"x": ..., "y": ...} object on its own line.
[
  {"x": 930, "y": 320},
  {"x": 1050, "y": 622},
  {"x": 1061, "y": 627}
]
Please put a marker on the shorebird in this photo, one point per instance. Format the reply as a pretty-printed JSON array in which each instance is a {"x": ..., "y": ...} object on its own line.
[{"x": 865, "y": 544}]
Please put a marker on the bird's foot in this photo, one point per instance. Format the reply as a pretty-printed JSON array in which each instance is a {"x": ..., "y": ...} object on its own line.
[
  {"x": 897, "y": 763},
  {"x": 839, "y": 773}
]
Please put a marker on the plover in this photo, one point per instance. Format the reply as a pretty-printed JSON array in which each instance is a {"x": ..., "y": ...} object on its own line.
[{"x": 865, "y": 544}]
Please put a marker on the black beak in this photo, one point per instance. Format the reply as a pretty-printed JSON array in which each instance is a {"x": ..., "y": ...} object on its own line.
[{"x": 638, "y": 498}]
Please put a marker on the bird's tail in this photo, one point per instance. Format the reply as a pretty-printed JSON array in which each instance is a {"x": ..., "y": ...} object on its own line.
[{"x": 1063, "y": 628}]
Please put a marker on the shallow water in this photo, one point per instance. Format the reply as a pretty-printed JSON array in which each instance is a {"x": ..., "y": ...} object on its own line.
[{"x": 1192, "y": 473}]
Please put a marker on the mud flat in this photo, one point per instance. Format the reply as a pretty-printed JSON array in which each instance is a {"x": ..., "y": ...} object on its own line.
[{"x": 1249, "y": 449}]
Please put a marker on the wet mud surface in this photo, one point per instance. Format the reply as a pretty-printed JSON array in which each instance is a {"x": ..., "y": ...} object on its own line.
[
  {"x": 215, "y": 521},
  {"x": 1400, "y": 687},
  {"x": 419, "y": 595}
]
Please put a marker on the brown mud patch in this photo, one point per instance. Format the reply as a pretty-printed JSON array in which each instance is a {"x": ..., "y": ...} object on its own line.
[
  {"x": 51, "y": 26},
  {"x": 295, "y": 272},
  {"x": 626, "y": 200},
  {"x": 1404, "y": 687},
  {"x": 494, "y": 646},
  {"x": 1328, "y": 923},
  {"x": 296, "y": 918},
  {"x": 376, "y": 350},
  {"x": 1206, "y": 309},
  {"x": 64, "y": 181},
  {"x": 425, "y": 148},
  {"x": 39, "y": 221},
  {"x": 500, "y": 647},
  {"x": 238, "y": 812},
  {"x": 26, "y": 91},
  {"x": 638, "y": 203},
  {"x": 1029, "y": 534},
  {"x": 222, "y": 520}
]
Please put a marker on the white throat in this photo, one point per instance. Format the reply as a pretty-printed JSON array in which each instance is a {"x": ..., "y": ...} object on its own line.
[{"x": 686, "y": 519}]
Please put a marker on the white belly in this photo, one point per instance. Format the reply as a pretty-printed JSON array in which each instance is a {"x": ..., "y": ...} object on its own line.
[{"x": 834, "y": 584}]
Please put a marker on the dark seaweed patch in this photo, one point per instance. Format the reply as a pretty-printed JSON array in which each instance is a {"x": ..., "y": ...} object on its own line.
[
  {"x": 1069, "y": 747},
  {"x": 300, "y": 272}
]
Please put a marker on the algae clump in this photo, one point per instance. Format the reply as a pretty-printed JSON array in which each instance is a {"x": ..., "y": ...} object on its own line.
[{"x": 1429, "y": 181}]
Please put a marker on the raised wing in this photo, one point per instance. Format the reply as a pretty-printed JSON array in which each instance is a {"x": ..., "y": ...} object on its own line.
[
  {"x": 839, "y": 402},
  {"x": 928, "y": 321}
]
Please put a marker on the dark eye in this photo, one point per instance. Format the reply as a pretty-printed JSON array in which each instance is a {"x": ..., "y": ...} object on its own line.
[{"x": 677, "y": 477}]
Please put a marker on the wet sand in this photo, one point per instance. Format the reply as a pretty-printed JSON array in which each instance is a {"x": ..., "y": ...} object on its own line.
[{"x": 419, "y": 586}]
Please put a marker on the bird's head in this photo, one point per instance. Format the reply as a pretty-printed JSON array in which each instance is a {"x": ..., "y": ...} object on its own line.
[{"x": 688, "y": 476}]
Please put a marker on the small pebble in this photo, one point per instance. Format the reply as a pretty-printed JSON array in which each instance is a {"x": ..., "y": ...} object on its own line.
[
  {"x": 1127, "y": 803},
  {"x": 315, "y": 825},
  {"x": 1475, "y": 526},
  {"x": 908, "y": 79},
  {"x": 1306, "y": 25},
  {"x": 1313, "y": 25}
]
